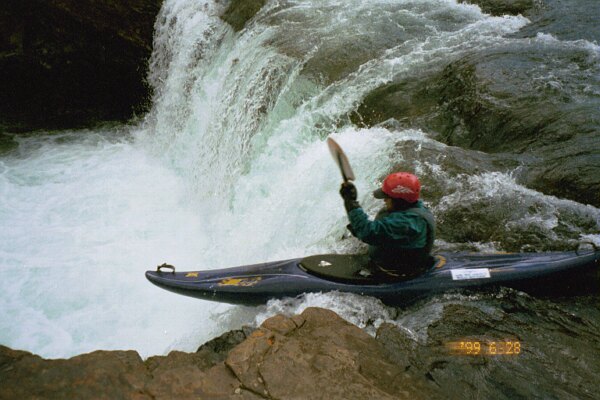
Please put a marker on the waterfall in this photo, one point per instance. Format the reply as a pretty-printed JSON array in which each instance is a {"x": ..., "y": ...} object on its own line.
[{"x": 228, "y": 168}]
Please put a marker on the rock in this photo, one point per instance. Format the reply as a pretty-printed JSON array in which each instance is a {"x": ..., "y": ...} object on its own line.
[
  {"x": 565, "y": 20},
  {"x": 328, "y": 358},
  {"x": 315, "y": 355},
  {"x": 241, "y": 11},
  {"x": 546, "y": 337},
  {"x": 533, "y": 100},
  {"x": 526, "y": 99},
  {"x": 503, "y": 7},
  {"x": 68, "y": 63},
  {"x": 7, "y": 144},
  {"x": 98, "y": 375},
  {"x": 216, "y": 350}
]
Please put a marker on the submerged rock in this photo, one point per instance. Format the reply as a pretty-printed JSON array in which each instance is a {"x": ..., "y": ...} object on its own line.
[{"x": 68, "y": 63}]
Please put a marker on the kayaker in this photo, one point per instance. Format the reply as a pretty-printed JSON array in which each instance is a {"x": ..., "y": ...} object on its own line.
[{"x": 401, "y": 236}]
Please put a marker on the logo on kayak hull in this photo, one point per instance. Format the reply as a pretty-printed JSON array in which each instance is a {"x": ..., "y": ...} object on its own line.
[{"x": 250, "y": 281}]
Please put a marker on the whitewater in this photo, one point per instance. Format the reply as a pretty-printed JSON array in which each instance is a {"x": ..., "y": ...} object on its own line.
[{"x": 229, "y": 167}]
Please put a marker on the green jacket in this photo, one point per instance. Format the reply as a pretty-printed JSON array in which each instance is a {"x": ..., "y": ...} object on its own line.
[{"x": 397, "y": 239}]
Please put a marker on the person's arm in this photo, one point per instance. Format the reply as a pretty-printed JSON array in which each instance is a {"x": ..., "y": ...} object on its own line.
[
  {"x": 381, "y": 231},
  {"x": 371, "y": 232}
]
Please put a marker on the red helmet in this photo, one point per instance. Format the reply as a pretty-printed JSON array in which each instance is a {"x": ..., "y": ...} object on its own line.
[{"x": 400, "y": 185}]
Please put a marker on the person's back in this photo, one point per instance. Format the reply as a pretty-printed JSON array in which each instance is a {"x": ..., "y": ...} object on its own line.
[{"x": 401, "y": 237}]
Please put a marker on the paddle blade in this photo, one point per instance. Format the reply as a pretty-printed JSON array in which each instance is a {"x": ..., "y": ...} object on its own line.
[{"x": 341, "y": 160}]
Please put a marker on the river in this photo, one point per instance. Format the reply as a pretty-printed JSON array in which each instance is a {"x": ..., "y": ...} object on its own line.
[{"x": 230, "y": 167}]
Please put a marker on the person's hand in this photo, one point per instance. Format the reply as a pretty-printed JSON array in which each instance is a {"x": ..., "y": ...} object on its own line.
[
  {"x": 348, "y": 191},
  {"x": 349, "y": 194}
]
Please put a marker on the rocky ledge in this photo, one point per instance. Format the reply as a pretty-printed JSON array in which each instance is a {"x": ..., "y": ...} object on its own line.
[
  {"x": 315, "y": 355},
  {"x": 318, "y": 355}
]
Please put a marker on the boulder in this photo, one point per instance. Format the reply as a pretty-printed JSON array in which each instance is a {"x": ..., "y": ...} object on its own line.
[{"x": 565, "y": 20}]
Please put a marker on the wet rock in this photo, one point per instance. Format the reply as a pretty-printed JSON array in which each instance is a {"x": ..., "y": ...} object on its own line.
[
  {"x": 537, "y": 100},
  {"x": 313, "y": 355},
  {"x": 7, "y": 144},
  {"x": 241, "y": 11},
  {"x": 67, "y": 63},
  {"x": 554, "y": 358},
  {"x": 216, "y": 350},
  {"x": 565, "y": 20},
  {"x": 503, "y": 7}
]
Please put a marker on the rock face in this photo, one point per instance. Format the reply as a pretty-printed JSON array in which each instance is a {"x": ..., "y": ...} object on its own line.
[
  {"x": 536, "y": 99},
  {"x": 547, "y": 337},
  {"x": 68, "y": 63},
  {"x": 315, "y": 355},
  {"x": 241, "y": 11}
]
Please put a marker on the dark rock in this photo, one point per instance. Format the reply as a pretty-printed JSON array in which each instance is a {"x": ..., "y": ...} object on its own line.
[
  {"x": 565, "y": 20},
  {"x": 67, "y": 63},
  {"x": 7, "y": 144},
  {"x": 532, "y": 99},
  {"x": 547, "y": 335},
  {"x": 503, "y": 7},
  {"x": 216, "y": 350},
  {"x": 241, "y": 11}
]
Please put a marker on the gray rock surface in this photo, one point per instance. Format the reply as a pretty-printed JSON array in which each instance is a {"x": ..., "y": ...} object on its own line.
[{"x": 533, "y": 100}]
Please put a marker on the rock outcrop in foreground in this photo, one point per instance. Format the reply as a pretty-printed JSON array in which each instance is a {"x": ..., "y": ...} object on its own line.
[
  {"x": 318, "y": 355},
  {"x": 315, "y": 355}
]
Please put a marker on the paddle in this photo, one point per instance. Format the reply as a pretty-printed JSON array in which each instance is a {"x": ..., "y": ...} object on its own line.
[{"x": 341, "y": 160}]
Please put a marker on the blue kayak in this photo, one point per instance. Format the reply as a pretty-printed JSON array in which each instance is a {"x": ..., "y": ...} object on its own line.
[{"x": 552, "y": 273}]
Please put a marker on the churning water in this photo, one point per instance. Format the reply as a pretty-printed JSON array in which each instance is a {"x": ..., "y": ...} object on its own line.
[{"x": 230, "y": 167}]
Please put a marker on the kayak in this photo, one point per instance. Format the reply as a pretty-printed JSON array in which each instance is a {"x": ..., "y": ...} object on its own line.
[{"x": 551, "y": 273}]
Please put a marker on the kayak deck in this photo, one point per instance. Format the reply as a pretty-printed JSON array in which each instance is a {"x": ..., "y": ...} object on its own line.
[{"x": 258, "y": 283}]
